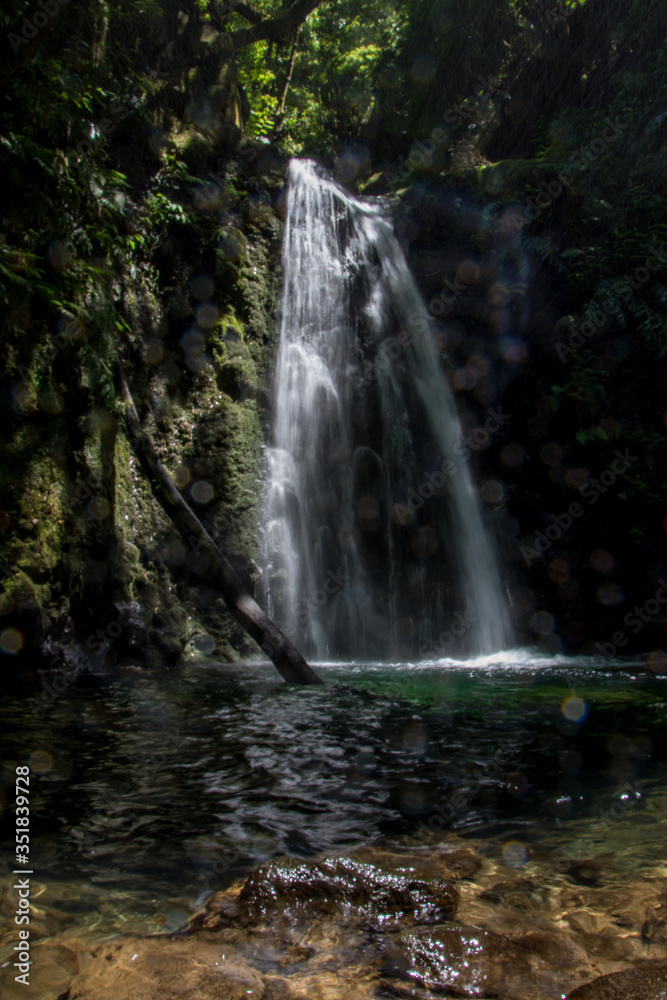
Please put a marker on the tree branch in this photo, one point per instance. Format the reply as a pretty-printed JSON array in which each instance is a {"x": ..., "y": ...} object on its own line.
[
  {"x": 238, "y": 7},
  {"x": 276, "y": 29}
]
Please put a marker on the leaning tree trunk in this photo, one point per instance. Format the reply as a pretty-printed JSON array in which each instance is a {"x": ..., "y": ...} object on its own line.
[{"x": 287, "y": 659}]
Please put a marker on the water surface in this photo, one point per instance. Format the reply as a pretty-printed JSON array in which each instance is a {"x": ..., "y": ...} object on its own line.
[{"x": 151, "y": 790}]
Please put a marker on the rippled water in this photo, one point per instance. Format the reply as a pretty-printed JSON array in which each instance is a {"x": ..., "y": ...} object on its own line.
[{"x": 149, "y": 790}]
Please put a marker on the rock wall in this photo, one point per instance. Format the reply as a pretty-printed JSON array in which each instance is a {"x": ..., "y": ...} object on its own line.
[{"x": 93, "y": 573}]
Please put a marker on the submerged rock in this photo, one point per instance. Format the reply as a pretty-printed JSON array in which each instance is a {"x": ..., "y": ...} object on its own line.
[
  {"x": 144, "y": 969},
  {"x": 520, "y": 894},
  {"x": 647, "y": 982}
]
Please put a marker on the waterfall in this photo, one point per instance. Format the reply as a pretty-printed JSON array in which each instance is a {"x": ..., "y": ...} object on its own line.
[{"x": 374, "y": 545}]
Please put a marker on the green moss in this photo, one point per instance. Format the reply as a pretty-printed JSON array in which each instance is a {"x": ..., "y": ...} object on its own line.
[
  {"x": 238, "y": 378},
  {"x": 232, "y": 245},
  {"x": 43, "y": 518},
  {"x": 259, "y": 284},
  {"x": 227, "y": 339},
  {"x": 199, "y": 150},
  {"x": 20, "y": 594},
  {"x": 132, "y": 497},
  {"x": 193, "y": 148}
]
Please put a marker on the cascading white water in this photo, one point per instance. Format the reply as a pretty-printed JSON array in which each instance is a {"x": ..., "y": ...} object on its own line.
[{"x": 356, "y": 563}]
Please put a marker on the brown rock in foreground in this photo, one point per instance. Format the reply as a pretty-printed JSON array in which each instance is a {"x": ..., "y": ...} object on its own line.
[
  {"x": 646, "y": 982},
  {"x": 346, "y": 888},
  {"x": 393, "y": 920}
]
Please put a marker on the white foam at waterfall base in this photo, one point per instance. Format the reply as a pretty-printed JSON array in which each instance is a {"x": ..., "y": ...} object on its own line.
[{"x": 349, "y": 570}]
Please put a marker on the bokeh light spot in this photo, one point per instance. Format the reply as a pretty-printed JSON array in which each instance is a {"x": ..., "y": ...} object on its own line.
[
  {"x": 176, "y": 919},
  {"x": 204, "y": 644},
  {"x": 657, "y": 661},
  {"x": 201, "y": 492},
  {"x": 414, "y": 738},
  {"x": 499, "y": 295},
  {"x": 515, "y": 854},
  {"x": 491, "y": 491},
  {"x": 610, "y": 595},
  {"x": 152, "y": 352},
  {"x": 365, "y": 762},
  {"x": 60, "y": 257},
  {"x": 201, "y": 287},
  {"x": 51, "y": 402},
  {"x": 207, "y": 315},
  {"x": 513, "y": 350},
  {"x": 602, "y": 561},
  {"x": 477, "y": 366},
  {"x": 462, "y": 379},
  {"x": 551, "y": 454},
  {"x": 542, "y": 622},
  {"x": 423, "y": 68},
  {"x": 576, "y": 478},
  {"x": 467, "y": 272},
  {"x": 574, "y": 709},
  {"x": 368, "y": 512},
  {"x": 559, "y": 570},
  {"x": 11, "y": 641},
  {"x": 516, "y": 783},
  {"x": 99, "y": 508},
  {"x": 425, "y": 543},
  {"x": 401, "y": 514},
  {"x": 182, "y": 476},
  {"x": 40, "y": 761}
]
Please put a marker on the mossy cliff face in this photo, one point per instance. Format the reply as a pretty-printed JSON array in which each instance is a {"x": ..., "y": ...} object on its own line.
[{"x": 93, "y": 572}]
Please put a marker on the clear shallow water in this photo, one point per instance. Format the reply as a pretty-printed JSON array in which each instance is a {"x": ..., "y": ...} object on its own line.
[{"x": 151, "y": 790}]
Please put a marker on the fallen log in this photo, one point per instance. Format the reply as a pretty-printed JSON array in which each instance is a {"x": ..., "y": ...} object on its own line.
[{"x": 288, "y": 661}]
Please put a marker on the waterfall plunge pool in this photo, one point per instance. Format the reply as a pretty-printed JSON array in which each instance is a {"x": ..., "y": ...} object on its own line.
[{"x": 149, "y": 791}]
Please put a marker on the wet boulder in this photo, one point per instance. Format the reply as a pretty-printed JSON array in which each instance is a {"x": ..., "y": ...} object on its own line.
[
  {"x": 646, "y": 981},
  {"x": 346, "y": 888},
  {"x": 463, "y": 960}
]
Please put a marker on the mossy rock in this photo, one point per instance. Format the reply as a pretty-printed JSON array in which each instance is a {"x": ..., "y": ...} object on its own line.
[
  {"x": 261, "y": 161},
  {"x": 227, "y": 340},
  {"x": 238, "y": 378},
  {"x": 260, "y": 209},
  {"x": 232, "y": 245},
  {"x": 200, "y": 151},
  {"x": 193, "y": 148},
  {"x": 20, "y": 595}
]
